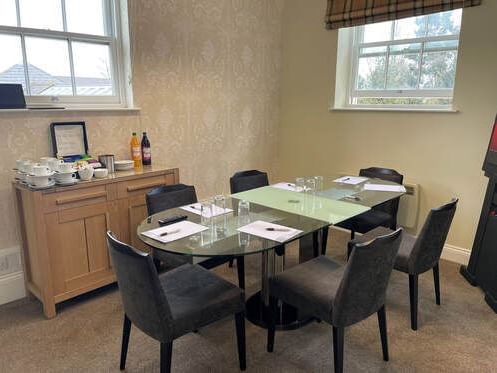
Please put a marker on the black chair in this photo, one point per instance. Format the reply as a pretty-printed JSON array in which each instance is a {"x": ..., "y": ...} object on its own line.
[
  {"x": 177, "y": 302},
  {"x": 419, "y": 255},
  {"x": 341, "y": 296},
  {"x": 246, "y": 180},
  {"x": 170, "y": 196},
  {"x": 385, "y": 214}
]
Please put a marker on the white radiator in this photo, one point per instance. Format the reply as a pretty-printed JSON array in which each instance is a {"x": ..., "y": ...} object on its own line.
[{"x": 409, "y": 206}]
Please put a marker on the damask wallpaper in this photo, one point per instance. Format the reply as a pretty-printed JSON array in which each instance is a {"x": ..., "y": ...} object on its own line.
[{"x": 206, "y": 77}]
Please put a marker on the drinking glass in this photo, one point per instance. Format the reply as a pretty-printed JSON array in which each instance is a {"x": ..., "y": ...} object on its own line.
[
  {"x": 319, "y": 183},
  {"x": 310, "y": 186},
  {"x": 220, "y": 220},
  {"x": 299, "y": 184},
  {"x": 206, "y": 213},
  {"x": 243, "y": 213}
]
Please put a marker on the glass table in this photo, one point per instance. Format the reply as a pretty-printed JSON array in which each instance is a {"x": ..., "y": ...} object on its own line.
[{"x": 310, "y": 213}]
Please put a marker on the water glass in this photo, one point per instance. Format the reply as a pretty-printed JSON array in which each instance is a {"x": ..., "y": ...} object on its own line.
[
  {"x": 319, "y": 183},
  {"x": 310, "y": 186},
  {"x": 206, "y": 213},
  {"x": 299, "y": 184},
  {"x": 243, "y": 213},
  {"x": 220, "y": 205}
]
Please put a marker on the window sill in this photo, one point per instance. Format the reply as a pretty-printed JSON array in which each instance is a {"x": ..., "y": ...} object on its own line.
[
  {"x": 70, "y": 110},
  {"x": 391, "y": 109}
]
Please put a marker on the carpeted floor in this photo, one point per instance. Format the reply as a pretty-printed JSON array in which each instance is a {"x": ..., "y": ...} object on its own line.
[{"x": 459, "y": 336}]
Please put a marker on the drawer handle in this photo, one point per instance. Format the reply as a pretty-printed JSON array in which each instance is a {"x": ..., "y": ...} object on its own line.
[
  {"x": 134, "y": 188},
  {"x": 63, "y": 201}
]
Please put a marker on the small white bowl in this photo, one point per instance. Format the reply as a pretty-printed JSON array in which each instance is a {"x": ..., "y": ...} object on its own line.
[{"x": 101, "y": 173}]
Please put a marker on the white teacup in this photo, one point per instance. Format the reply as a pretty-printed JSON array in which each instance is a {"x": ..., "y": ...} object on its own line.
[
  {"x": 54, "y": 164},
  {"x": 100, "y": 173},
  {"x": 65, "y": 167},
  {"x": 28, "y": 167},
  {"x": 40, "y": 181},
  {"x": 20, "y": 164},
  {"x": 45, "y": 161},
  {"x": 41, "y": 170},
  {"x": 86, "y": 173},
  {"x": 65, "y": 177}
]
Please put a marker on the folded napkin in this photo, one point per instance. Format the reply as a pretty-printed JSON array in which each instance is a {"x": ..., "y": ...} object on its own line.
[
  {"x": 385, "y": 188},
  {"x": 270, "y": 231},
  {"x": 196, "y": 209},
  {"x": 174, "y": 231}
]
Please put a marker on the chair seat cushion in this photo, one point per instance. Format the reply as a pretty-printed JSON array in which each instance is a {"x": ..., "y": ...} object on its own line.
[
  {"x": 198, "y": 297},
  {"x": 310, "y": 286}
]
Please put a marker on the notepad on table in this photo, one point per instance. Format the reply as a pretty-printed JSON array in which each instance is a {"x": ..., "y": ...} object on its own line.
[
  {"x": 270, "y": 231},
  {"x": 285, "y": 186},
  {"x": 174, "y": 231},
  {"x": 385, "y": 188},
  {"x": 196, "y": 208},
  {"x": 352, "y": 180}
]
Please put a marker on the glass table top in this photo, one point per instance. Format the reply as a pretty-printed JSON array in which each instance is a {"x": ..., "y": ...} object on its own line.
[{"x": 222, "y": 238}]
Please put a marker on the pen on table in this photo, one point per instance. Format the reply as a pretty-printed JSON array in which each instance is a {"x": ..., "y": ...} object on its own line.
[
  {"x": 355, "y": 198},
  {"x": 166, "y": 233},
  {"x": 347, "y": 178},
  {"x": 277, "y": 229},
  {"x": 291, "y": 185},
  {"x": 194, "y": 207}
]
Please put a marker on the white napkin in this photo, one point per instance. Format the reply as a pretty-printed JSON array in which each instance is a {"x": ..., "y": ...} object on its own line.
[
  {"x": 196, "y": 209},
  {"x": 385, "y": 188},
  {"x": 174, "y": 231},
  {"x": 279, "y": 234},
  {"x": 352, "y": 180}
]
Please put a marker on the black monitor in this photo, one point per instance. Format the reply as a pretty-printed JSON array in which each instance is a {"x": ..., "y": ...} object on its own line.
[
  {"x": 490, "y": 164},
  {"x": 12, "y": 96}
]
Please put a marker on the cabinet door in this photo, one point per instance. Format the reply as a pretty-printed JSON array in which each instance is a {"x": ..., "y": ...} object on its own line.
[
  {"x": 137, "y": 211},
  {"x": 78, "y": 249}
]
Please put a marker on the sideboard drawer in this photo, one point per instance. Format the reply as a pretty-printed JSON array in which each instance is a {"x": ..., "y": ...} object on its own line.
[
  {"x": 75, "y": 198},
  {"x": 142, "y": 186}
]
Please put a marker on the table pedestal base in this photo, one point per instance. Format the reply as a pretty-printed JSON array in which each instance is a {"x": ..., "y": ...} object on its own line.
[{"x": 288, "y": 317}]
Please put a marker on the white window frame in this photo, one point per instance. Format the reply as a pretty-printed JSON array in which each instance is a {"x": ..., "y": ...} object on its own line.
[
  {"x": 117, "y": 35},
  {"x": 349, "y": 47}
]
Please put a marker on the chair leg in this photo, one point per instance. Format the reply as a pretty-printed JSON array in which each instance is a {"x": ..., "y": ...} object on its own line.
[
  {"x": 324, "y": 240},
  {"x": 166, "y": 352},
  {"x": 271, "y": 328},
  {"x": 240, "y": 266},
  {"x": 230, "y": 263},
  {"x": 240, "y": 337},
  {"x": 125, "y": 342},
  {"x": 352, "y": 234},
  {"x": 413, "y": 295},
  {"x": 382, "y": 322},
  {"x": 436, "y": 279},
  {"x": 338, "y": 339}
]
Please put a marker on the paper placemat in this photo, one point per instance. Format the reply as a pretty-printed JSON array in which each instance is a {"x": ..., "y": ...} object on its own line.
[
  {"x": 385, "y": 188},
  {"x": 285, "y": 186},
  {"x": 270, "y": 231},
  {"x": 195, "y": 208},
  {"x": 174, "y": 231},
  {"x": 352, "y": 180}
]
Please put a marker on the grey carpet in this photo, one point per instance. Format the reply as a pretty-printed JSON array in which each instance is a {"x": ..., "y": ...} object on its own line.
[{"x": 459, "y": 336}]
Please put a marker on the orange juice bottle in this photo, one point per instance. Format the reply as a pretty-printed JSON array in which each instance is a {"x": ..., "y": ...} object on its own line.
[{"x": 136, "y": 151}]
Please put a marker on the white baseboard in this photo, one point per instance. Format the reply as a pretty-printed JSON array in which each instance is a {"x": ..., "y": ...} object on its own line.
[
  {"x": 456, "y": 254},
  {"x": 12, "y": 287}
]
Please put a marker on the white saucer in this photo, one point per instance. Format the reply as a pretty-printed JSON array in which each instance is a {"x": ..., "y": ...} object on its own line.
[
  {"x": 66, "y": 183},
  {"x": 47, "y": 175},
  {"x": 49, "y": 185},
  {"x": 66, "y": 172}
]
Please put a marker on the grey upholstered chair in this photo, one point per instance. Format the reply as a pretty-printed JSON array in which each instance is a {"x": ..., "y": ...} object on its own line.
[
  {"x": 177, "y": 302},
  {"x": 246, "y": 180},
  {"x": 167, "y": 197},
  {"x": 385, "y": 214},
  {"x": 340, "y": 295},
  {"x": 419, "y": 255}
]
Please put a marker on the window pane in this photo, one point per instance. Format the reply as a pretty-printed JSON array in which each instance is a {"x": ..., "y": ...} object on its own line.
[
  {"x": 444, "y": 44},
  {"x": 8, "y": 14},
  {"x": 405, "y": 48},
  {"x": 46, "y": 14},
  {"x": 409, "y": 28},
  {"x": 403, "y": 71},
  {"x": 373, "y": 50},
  {"x": 438, "y": 70},
  {"x": 371, "y": 74},
  {"x": 85, "y": 17},
  {"x": 378, "y": 32},
  {"x": 49, "y": 73},
  {"x": 446, "y": 23},
  {"x": 92, "y": 68},
  {"x": 11, "y": 65}
]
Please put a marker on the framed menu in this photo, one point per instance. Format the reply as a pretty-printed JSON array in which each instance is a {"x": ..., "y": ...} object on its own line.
[{"x": 69, "y": 139}]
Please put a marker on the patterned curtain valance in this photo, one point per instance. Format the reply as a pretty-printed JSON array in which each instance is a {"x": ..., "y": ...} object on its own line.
[{"x": 346, "y": 13}]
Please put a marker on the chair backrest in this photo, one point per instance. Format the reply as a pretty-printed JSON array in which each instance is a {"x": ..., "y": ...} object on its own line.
[
  {"x": 143, "y": 299},
  {"x": 390, "y": 207},
  {"x": 246, "y": 180},
  {"x": 365, "y": 279},
  {"x": 167, "y": 197},
  {"x": 431, "y": 240}
]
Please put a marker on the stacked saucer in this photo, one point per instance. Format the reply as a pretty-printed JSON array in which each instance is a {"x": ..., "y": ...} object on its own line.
[
  {"x": 41, "y": 177},
  {"x": 66, "y": 174}
]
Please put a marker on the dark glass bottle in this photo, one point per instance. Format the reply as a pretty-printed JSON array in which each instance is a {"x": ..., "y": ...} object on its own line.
[{"x": 146, "y": 150}]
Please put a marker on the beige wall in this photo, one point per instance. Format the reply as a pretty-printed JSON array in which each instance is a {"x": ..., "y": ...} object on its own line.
[
  {"x": 206, "y": 76},
  {"x": 442, "y": 152}
]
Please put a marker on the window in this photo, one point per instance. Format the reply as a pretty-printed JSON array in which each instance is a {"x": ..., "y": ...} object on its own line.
[
  {"x": 407, "y": 63},
  {"x": 64, "y": 51}
]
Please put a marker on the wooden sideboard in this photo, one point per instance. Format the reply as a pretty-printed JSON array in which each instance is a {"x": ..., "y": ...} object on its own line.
[{"x": 63, "y": 230}]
